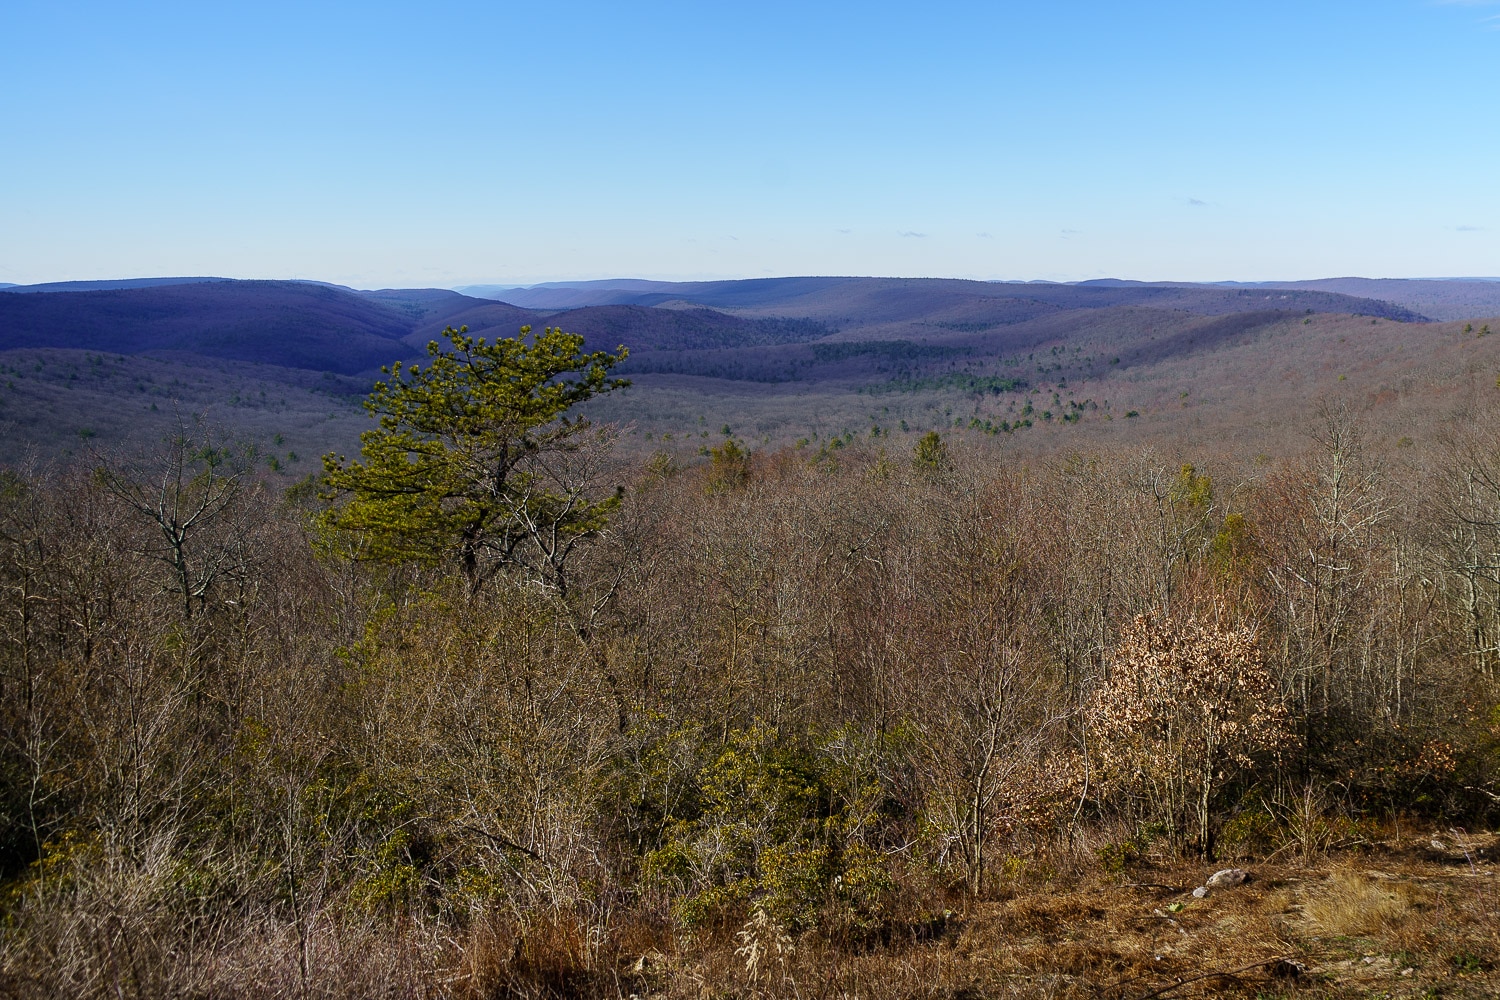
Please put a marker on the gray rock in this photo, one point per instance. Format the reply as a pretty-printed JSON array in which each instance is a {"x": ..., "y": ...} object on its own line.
[
  {"x": 1227, "y": 878},
  {"x": 1201, "y": 892}
]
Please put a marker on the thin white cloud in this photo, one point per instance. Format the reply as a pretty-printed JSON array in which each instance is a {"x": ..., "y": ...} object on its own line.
[
  {"x": 913, "y": 235},
  {"x": 1468, "y": 229},
  {"x": 984, "y": 236},
  {"x": 1491, "y": 22}
]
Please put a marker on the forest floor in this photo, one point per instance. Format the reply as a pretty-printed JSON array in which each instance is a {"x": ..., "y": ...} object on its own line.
[{"x": 1418, "y": 917}]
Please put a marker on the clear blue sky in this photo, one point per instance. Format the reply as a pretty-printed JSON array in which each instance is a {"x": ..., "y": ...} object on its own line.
[{"x": 445, "y": 143}]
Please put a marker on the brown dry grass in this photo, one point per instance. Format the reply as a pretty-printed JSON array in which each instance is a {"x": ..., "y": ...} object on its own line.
[
  {"x": 1389, "y": 921},
  {"x": 1351, "y": 903},
  {"x": 1395, "y": 918}
]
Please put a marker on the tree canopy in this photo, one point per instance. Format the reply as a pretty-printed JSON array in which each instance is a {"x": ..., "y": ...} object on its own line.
[{"x": 470, "y": 460}]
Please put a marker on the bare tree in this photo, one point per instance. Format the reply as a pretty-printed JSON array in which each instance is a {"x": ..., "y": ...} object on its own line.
[
  {"x": 976, "y": 692},
  {"x": 1323, "y": 558},
  {"x": 186, "y": 489}
]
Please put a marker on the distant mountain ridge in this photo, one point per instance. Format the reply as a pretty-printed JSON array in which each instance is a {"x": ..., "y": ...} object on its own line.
[
  {"x": 292, "y": 324},
  {"x": 107, "y": 285},
  {"x": 1440, "y": 299},
  {"x": 867, "y": 301},
  {"x": 1436, "y": 298},
  {"x": 318, "y": 326},
  {"x": 787, "y": 356}
]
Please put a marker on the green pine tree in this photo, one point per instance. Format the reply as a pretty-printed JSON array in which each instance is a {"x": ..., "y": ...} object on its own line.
[
  {"x": 930, "y": 453},
  {"x": 470, "y": 461}
]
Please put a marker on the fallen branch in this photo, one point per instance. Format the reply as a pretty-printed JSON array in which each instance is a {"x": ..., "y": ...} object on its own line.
[
  {"x": 1152, "y": 885},
  {"x": 1163, "y": 991},
  {"x": 1483, "y": 791}
]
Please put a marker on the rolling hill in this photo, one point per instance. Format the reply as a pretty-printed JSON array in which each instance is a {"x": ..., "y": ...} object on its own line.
[
  {"x": 1441, "y": 300},
  {"x": 111, "y": 284},
  {"x": 325, "y": 328},
  {"x": 777, "y": 360},
  {"x": 293, "y": 324},
  {"x": 879, "y": 301}
]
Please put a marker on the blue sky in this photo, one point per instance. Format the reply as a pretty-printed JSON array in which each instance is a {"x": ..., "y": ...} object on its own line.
[{"x": 447, "y": 143}]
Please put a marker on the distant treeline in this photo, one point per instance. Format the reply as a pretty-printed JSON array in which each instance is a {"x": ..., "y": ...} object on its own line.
[
  {"x": 886, "y": 350},
  {"x": 784, "y": 366},
  {"x": 993, "y": 385}
]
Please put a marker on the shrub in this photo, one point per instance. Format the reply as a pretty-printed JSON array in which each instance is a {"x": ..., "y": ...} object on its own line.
[{"x": 1187, "y": 710}]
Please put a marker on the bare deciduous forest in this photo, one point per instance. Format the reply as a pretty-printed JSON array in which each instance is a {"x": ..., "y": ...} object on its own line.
[
  {"x": 942, "y": 723},
  {"x": 791, "y": 501}
]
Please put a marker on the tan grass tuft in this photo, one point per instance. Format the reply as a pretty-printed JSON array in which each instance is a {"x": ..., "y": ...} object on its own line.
[{"x": 1350, "y": 904}]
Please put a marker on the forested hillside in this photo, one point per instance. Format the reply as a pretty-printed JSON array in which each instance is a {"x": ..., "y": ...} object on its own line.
[
  {"x": 805, "y": 722},
  {"x": 1040, "y": 366}
]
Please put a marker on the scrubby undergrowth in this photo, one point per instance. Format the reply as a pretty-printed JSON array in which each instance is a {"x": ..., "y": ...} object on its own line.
[{"x": 848, "y": 724}]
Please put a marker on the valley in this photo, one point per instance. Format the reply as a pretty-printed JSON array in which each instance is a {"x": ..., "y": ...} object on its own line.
[{"x": 796, "y": 362}]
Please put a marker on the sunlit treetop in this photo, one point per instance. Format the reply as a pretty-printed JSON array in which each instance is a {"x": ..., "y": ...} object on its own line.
[{"x": 470, "y": 458}]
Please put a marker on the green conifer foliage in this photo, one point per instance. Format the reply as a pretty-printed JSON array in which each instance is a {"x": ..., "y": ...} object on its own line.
[{"x": 470, "y": 458}]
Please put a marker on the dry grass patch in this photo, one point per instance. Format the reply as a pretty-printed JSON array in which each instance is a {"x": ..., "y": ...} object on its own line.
[
  {"x": 1353, "y": 904},
  {"x": 1046, "y": 914}
]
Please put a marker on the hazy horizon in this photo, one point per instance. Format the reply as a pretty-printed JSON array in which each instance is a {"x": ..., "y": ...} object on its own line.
[{"x": 466, "y": 287}]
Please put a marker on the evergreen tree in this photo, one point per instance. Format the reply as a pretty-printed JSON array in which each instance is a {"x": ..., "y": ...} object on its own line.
[{"x": 470, "y": 459}]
